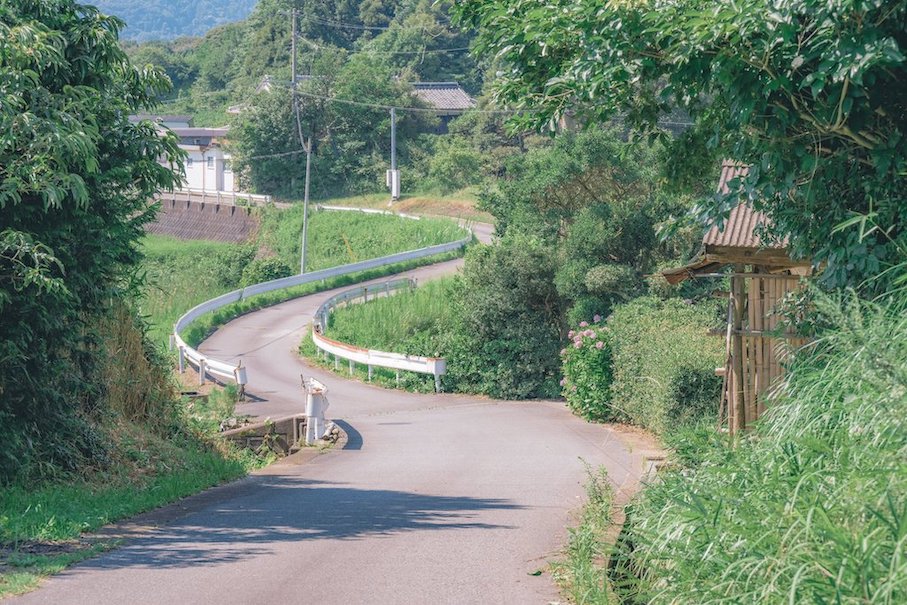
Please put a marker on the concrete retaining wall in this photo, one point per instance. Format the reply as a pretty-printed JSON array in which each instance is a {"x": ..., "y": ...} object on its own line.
[{"x": 208, "y": 221}]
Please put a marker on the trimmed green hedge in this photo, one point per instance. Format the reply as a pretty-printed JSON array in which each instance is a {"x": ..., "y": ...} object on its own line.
[{"x": 651, "y": 364}]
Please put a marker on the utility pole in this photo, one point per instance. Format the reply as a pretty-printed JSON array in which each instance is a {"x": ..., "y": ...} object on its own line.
[
  {"x": 305, "y": 145},
  {"x": 393, "y": 177}
]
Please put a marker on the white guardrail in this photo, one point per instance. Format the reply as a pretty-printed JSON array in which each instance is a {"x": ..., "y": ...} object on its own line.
[
  {"x": 370, "y": 357},
  {"x": 234, "y": 198},
  {"x": 235, "y": 371}
]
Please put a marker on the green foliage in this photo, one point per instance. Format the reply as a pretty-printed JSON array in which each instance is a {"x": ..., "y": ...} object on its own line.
[
  {"x": 339, "y": 238},
  {"x": 587, "y": 371},
  {"x": 264, "y": 269},
  {"x": 454, "y": 165},
  {"x": 75, "y": 181},
  {"x": 180, "y": 274},
  {"x": 163, "y": 19},
  {"x": 810, "y": 507},
  {"x": 509, "y": 319},
  {"x": 583, "y": 575},
  {"x": 663, "y": 363},
  {"x": 807, "y": 93}
]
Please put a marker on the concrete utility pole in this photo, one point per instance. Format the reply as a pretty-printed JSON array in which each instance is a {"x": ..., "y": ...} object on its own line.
[
  {"x": 306, "y": 145},
  {"x": 393, "y": 176}
]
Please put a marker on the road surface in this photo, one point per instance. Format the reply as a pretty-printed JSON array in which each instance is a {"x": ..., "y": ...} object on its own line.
[{"x": 434, "y": 499}]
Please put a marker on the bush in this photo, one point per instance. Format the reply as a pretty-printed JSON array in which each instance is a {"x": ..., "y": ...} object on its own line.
[
  {"x": 507, "y": 321},
  {"x": 664, "y": 362},
  {"x": 454, "y": 166},
  {"x": 810, "y": 507},
  {"x": 264, "y": 269},
  {"x": 587, "y": 371}
]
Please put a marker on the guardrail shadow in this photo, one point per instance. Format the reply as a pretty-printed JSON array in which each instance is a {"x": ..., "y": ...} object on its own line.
[{"x": 281, "y": 509}]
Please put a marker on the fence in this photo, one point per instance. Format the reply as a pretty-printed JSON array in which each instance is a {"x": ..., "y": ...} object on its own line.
[
  {"x": 233, "y": 198},
  {"x": 369, "y": 357},
  {"x": 236, "y": 372}
]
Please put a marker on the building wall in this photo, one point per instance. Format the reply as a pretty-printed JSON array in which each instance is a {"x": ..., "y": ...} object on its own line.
[{"x": 208, "y": 169}]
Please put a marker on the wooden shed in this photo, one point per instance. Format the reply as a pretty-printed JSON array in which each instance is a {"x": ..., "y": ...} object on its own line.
[{"x": 761, "y": 274}]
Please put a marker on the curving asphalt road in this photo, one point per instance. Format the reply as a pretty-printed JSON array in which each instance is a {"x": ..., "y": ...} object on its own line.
[{"x": 434, "y": 499}]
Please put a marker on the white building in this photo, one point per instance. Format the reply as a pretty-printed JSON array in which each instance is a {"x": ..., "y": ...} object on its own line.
[{"x": 208, "y": 165}]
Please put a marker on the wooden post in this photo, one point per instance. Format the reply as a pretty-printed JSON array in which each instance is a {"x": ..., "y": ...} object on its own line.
[{"x": 736, "y": 404}]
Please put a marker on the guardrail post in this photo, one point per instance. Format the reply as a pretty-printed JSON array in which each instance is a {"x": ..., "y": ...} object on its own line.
[
  {"x": 352, "y": 366},
  {"x": 182, "y": 361},
  {"x": 398, "y": 377},
  {"x": 437, "y": 383},
  {"x": 336, "y": 362},
  {"x": 201, "y": 372},
  {"x": 369, "y": 373},
  {"x": 172, "y": 342}
]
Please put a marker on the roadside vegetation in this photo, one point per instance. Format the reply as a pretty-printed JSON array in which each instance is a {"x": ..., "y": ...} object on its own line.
[{"x": 181, "y": 274}]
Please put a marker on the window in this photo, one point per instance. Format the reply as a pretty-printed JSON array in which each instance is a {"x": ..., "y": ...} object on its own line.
[
  {"x": 210, "y": 162},
  {"x": 228, "y": 166},
  {"x": 198, "y": 142}
]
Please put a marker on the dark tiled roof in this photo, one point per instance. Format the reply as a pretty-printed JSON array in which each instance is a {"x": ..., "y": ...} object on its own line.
[
  {"x": 740, "y": 229},
  {"x": 444, "y": 96}
]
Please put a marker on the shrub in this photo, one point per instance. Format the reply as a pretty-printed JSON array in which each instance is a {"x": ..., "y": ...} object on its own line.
[
  {"x": 507, "y": 315},
  {"x": 265, "y": 269},
  {"x": 809, "y": 508},
  {"x": 587, "y": 371},
  {"x": 664, "y": 362}
]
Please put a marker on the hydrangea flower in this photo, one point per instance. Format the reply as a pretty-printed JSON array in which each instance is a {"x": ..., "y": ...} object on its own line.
[
  {"x": 571, "y": 334},
  {"x": 563, "y": 352},
  {"x": 590, "y": 333},
  {"x": 563, "y": 382},
  {"x": 584, "y": 324},
  {"x": 577, "y": 344},
  {"x": 599, "y": 345},
  {"x": 596, "y": 318}
]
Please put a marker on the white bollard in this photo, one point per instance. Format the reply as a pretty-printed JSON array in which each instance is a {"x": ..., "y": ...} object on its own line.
[{"x": 316, "y": 404}]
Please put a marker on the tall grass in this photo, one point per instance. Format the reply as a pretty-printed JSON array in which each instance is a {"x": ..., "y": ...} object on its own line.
[
  {"x": 414, "y": 322},
  {"x": 812, "y": 506},
  {"x": 339, "y": 238}
]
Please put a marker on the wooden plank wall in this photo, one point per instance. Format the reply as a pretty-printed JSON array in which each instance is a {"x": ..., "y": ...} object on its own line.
[{"x": 763, "y": 354}]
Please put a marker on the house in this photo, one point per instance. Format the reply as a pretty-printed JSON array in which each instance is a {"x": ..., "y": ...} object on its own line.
[
  {"x": 208, "y": 164},
  {"x": 448, "y": 99},
  {"x": 761, "y": 274},
  {"x": 169, "y": 121}
]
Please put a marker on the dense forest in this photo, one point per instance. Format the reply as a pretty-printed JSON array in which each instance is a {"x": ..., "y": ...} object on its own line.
[{"x": 165, "y": 19}]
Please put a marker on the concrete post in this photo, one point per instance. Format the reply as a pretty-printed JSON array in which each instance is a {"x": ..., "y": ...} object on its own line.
[
  {"x": 352, "y": 366},
  {"x": 201, "y": 372},
  {"x": 437, "y": 383},
  {"x": 369, "y": 373},
  {"x": 182, "y": 359}
]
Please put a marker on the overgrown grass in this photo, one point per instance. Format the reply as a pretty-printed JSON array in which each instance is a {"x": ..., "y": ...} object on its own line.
[
  {"x": 181, "y": 274},
  {"x": 582, "y": 575},
  {"x": 340, "y": 238},
  {"x": 41, "y": 527},
  {"x": 414, "y": 322},
  {"x": 811, "y": 507},
  {"x": 459, "y": 204}
]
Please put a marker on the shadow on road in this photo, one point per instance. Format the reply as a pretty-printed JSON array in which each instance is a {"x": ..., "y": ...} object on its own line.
[
  {"x": 353, "y": 437},
  {"x": 298, "y": 510}
]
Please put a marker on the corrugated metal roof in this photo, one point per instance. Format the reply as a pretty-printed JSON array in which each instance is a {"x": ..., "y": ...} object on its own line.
[
  {"x": 161, "y": 118},
  {"x": 444, "y": 96},
  {"x": 201, "y": 132},
  {"x": 743, "y": 222}
]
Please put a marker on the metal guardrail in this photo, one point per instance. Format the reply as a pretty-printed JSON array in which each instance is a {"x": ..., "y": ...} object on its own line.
[
  {"x": 370, "y": 357},
  {"x": 232, "y": 198},
  {"x": 236, "y": 372}
]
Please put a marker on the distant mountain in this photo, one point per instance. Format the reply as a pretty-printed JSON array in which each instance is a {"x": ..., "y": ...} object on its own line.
[{"x": 166, "y": 19}]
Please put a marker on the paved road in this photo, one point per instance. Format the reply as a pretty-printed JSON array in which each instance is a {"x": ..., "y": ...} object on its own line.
[{"x": 435, "y": 498}]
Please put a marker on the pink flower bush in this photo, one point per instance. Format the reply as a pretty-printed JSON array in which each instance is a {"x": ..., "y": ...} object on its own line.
[
  {"x": 584, "y": 324},
  {"x": 577, "y": 344},
  {"x": 596, "y": 318},
  {"x": 589, "y": 333}
]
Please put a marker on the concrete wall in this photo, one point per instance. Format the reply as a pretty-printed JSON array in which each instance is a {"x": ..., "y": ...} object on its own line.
[{"x": 209, "y": 221}]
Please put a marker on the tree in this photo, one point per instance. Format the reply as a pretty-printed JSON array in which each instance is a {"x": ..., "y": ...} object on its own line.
[
  {"x": 75, "y": 182},
  {"x": 809, "y": 93}
]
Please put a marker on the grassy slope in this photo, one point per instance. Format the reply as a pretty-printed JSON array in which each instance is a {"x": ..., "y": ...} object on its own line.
[
  {"x": 182, "y": 274},
  {"x": 411, "y": 322},
  {"x": 460, "y": 204}
]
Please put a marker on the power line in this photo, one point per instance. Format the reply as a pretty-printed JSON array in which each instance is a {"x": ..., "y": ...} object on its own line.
[{"x": 348, "y": 25}]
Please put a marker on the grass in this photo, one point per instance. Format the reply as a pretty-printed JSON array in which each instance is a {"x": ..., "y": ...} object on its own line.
[
  {"x": 460, "y": 204},
  {"x": 413, "y": 322},
  {"x": 583, "y": 574},
  {"x": 42, "y": 528},
  {"x": 340, "y": 238},
  {"x": 181, "y": 274},
  {"x": 811, "y": 506}
]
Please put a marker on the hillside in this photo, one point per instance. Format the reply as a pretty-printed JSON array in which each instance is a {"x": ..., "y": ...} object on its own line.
[{"x": 165, "y": 19}]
